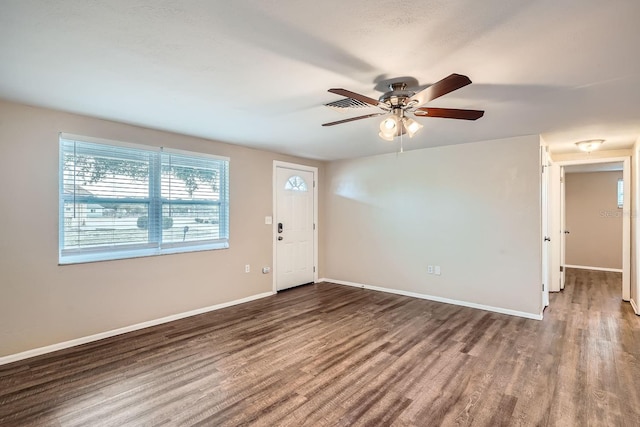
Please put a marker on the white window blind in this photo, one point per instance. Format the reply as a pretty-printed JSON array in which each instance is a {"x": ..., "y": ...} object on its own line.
[{"x": 122, "y": 201}]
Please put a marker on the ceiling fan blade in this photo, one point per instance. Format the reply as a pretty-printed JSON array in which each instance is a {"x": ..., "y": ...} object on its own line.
[
  {"x": 357, "y": 96},
  {"x": 449, "y": 113},
  {"x": 352, "y": 119},
  {"x": 443, "y": 87}
]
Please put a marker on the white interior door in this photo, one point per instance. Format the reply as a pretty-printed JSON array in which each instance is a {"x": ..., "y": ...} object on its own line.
[
  {"x": 626, "y": 230},
  {"x": 294, "y": 223},
  {"x": 563, "y": 228},
  {"x": 546, "y": 235},
  {"x": 555, "y": 226}
]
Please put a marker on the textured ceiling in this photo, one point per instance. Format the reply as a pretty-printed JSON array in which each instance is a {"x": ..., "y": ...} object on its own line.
[{"x": 256, "y": 73}]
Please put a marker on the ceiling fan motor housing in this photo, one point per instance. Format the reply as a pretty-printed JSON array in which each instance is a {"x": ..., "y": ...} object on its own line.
[{"x": 398, "y": 96}]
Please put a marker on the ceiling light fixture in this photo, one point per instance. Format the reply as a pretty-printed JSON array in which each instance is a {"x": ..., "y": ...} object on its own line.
[{"x": 590, "y": 145}]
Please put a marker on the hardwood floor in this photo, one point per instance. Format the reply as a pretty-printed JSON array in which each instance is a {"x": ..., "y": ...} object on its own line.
[{"x": 333, "y": 355}]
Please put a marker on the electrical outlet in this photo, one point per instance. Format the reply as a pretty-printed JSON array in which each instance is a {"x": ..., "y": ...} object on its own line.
[
  {"x": 266, "y": 270},
  {"x": 430, "y": 269},
  {"x": 437, "y": 270},
  {"x": 247, "y": 268}
]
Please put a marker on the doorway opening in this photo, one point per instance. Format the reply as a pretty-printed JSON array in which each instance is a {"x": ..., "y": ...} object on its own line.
[
  {"x": 594, "y": 198},
  {"x": 590, "y": 221}
]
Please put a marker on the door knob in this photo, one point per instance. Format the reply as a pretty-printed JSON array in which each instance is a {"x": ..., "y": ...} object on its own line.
[
  {"x": 547, "y": 239},
  {"x": 280, "y": 238}
]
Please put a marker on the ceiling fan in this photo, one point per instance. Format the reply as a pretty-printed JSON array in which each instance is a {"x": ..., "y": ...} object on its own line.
[{"x": 398, "y": 102}]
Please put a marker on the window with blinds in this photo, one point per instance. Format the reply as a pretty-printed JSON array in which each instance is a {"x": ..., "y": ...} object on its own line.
[{"x": 121, "y": 201}]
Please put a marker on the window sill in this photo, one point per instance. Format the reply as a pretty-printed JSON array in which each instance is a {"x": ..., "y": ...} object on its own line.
[{"x": 136, "y": 253}]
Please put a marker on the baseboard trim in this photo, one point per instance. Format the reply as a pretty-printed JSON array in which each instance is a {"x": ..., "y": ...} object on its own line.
[
  {"x": 586, "y": 267},
  {"x": 438, "y": 299},
  {"x": 102, "y": 335},
  {"x": 635, "y": 307}
]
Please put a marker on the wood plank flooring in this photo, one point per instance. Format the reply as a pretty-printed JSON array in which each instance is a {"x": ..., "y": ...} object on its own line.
[{"x": 330, "y": 355}]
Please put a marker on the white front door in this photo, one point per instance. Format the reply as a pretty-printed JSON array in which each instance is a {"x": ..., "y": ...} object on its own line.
[{"x": 294, "y": 225}]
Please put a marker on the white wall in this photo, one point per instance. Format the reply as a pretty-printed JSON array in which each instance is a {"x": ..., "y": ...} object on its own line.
[
  {"x": 42, "y": 303},
  {"x": 473, "y": 209}
]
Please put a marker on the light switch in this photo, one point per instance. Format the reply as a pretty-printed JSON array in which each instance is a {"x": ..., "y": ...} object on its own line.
[{"x": 268, "y": 220}]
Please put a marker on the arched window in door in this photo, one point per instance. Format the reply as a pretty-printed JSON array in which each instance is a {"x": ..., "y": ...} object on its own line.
[{"x": 296, "y": 183}]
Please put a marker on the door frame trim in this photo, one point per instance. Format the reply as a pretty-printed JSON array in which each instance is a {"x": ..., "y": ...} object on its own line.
[{"x": 306, "y": 168}]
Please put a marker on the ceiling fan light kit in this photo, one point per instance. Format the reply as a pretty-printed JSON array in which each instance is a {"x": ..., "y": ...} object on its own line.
[
  {"x": 389, "y": 125},
  {"x": 396, "y": 125},
  {"x": 399, "y": 101},
  {"x": 590, "y": 144},
  {"x": 412, "y": 126},
  {"x": 386, "y": 137}
]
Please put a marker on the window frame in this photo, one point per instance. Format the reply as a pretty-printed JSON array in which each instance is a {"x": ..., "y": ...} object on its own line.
[
  {"x": 153, "y": 246},
  {"x": 620, "y": 193}
]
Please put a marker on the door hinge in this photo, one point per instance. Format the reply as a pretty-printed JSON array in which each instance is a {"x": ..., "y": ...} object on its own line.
[
  {"x": 314, "y": 268},
  {"x": 314, "y": 226},
  {"x": 561, "y": 269},
  {"x": 543, "y": 287},
  {"x": 561, "y": 179},
  {"x": 314, "y": 184}
]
